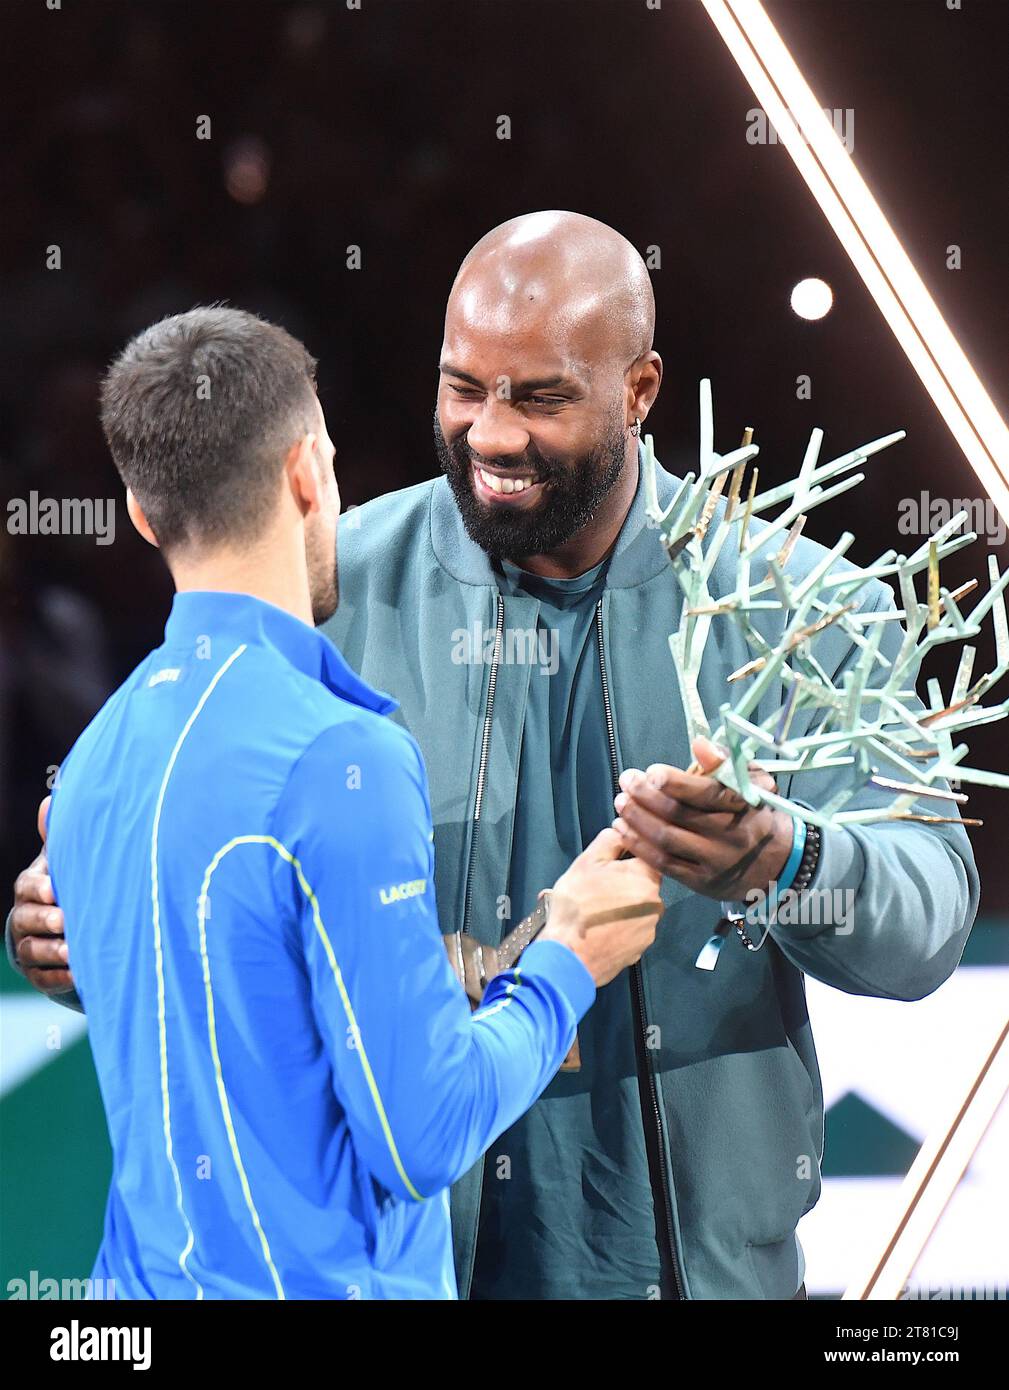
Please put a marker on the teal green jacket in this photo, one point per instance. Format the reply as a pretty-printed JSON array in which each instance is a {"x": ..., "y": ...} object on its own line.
[{"x": 729, "y": 1054}]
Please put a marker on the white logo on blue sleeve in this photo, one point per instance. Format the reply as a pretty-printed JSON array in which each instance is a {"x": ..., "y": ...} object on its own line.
[
  {"x": 399, "y": 892},
  {"x": 167, "y": 673}
]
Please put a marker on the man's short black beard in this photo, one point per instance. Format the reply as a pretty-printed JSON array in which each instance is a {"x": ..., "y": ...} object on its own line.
[{"x": 572, "y": 494}]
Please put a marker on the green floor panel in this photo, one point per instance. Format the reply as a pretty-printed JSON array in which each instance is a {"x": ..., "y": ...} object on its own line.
[{"x": 56, "y": 1162}]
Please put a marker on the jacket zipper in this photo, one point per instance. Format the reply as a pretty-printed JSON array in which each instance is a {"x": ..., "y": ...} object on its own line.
[
  {"x": 481, "y": 776},
  {"x": 652, "y": 1111}
]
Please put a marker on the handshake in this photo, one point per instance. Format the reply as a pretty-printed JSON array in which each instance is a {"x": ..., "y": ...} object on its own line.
[
  {"x": 681, "y": 824},
  {"x": 603, "y": 908}
]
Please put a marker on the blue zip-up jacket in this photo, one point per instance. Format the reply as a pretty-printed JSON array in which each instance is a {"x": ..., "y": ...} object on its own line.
[{"x": 241, "y": 843}]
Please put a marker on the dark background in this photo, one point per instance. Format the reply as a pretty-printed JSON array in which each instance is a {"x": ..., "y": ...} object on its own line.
[{"x": 377, "y": 128}]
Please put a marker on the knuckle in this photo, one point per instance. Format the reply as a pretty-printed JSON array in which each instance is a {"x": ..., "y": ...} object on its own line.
[
  {"x": 29, "y": 889},
  {"x": 30, "y": 952},
  {"x": 667, "y": 840}
]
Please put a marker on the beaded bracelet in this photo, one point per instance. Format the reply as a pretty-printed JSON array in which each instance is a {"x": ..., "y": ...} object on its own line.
[{"x": 803, "y": 878}]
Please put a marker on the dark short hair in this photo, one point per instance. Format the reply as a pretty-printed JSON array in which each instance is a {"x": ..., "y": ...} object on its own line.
[{"x": 199, "y": 411}]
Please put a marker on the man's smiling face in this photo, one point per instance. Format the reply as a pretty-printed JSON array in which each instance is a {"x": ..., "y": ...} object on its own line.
[
  {"x": 530, "y": 435},
  {"x": 546, "y": 363}
]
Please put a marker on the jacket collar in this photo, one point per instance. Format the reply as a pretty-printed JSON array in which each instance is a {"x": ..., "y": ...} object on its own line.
[
  {"x": 200, "y": 614},
  {"x": 637, "y": 556}
]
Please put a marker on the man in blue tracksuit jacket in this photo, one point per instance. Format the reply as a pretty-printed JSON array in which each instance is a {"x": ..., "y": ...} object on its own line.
[{"x": 241, "y": 843}]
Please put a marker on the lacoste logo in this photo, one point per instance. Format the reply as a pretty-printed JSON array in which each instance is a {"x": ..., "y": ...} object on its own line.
[
  {"x": 398, "y": 892},
  {"x": 168, "y": 673}
]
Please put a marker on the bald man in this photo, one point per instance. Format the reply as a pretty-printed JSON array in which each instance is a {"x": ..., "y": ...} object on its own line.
[
  {"x": 677, "y": 1161},
  {"x": 519, "y": 608}
]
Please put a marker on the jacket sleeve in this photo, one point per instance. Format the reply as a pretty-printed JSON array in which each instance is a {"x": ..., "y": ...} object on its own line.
[
  {"x": 426, "y": 1084},
  {"x": 905, "y": 894}
]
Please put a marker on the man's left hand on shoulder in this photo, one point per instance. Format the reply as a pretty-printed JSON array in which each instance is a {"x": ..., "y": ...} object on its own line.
[{"x": 693, "y": 829}]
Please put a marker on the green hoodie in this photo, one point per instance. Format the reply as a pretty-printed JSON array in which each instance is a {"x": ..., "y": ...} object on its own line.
[{"x": 729, "y": 1082}]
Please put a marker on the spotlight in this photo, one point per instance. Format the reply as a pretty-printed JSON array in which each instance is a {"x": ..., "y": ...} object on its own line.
[
  {"x": 812, "y": 299},
  {"x": 863, "y": 231}
]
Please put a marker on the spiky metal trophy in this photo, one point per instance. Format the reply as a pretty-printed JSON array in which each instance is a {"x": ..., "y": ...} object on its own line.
[
  {"x": 853, "y": 724},
  {"x": 864, "y": 721}
]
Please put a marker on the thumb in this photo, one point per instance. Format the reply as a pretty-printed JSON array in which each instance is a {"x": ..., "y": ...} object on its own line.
[
  {"x": 708, "y": 755},
  {"x": 641, "y": 869},
  {"x": 605, "y": 847},
  {"x": 43, "y": 812}
]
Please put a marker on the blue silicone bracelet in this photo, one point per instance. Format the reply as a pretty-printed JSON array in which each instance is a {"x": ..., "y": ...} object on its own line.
[
  {"x": 753, "y": 914},
  {"x": 787, "y": 876}
]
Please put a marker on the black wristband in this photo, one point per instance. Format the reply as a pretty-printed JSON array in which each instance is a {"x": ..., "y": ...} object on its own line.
[
  {"x": 810, "y": 859},
  {"x": 803, "y": 878}
]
